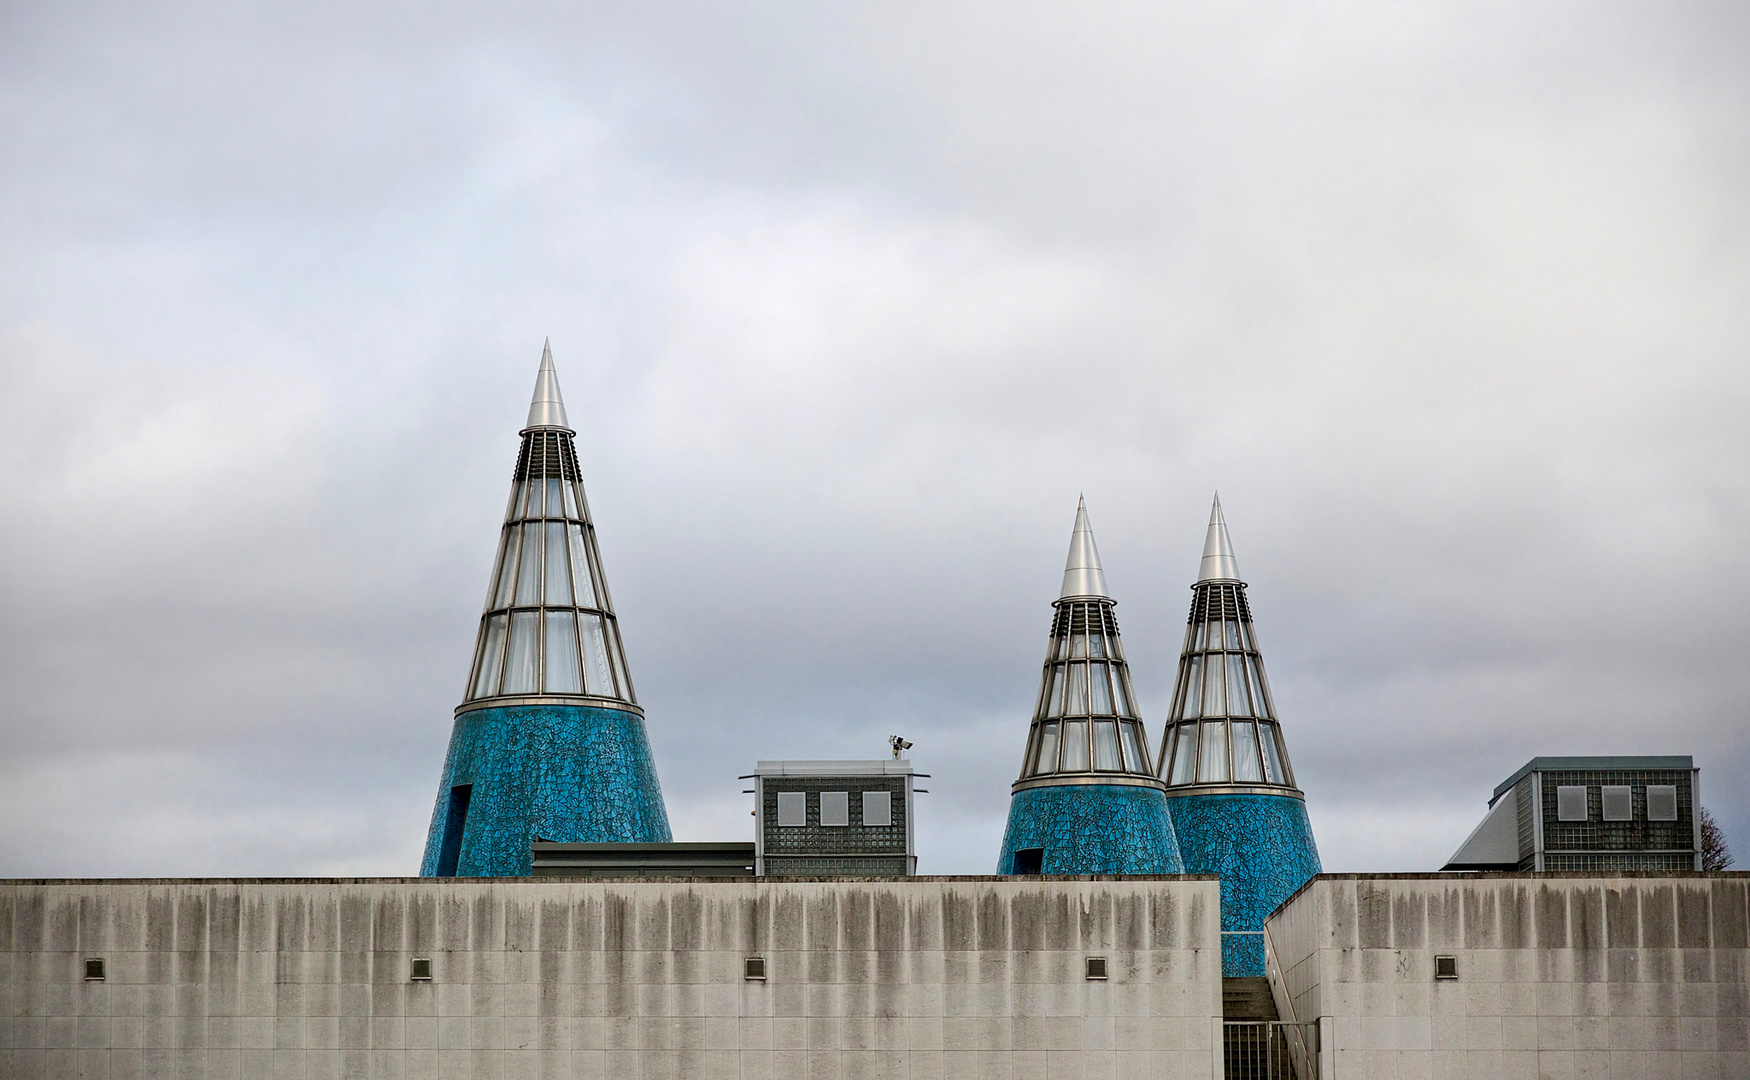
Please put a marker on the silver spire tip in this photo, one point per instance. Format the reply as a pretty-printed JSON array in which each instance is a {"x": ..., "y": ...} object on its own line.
[
  {"x": 1218, "y": 563},
  {"x": 547, "y": 408},
  {"x": 1083, "y": 574}
]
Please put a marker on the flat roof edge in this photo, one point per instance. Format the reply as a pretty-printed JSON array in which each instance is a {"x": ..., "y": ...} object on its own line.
[
  {"x": 686, "y": 847},
  {"x": 1454, "y": 877},
  {"x": 1571, "y": 764},
  {"x": 542, "y": 880},
  {"x": 869, "y": 767}
]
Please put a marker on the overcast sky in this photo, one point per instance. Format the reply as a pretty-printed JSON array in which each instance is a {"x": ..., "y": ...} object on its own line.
[{"x": 849, "y": 303}]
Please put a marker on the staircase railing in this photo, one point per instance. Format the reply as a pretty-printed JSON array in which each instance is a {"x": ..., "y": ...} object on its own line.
[{"x": 1270, "y": 1050}]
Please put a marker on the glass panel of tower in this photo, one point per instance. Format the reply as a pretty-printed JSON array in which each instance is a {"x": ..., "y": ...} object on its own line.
[
  {"x": 548, "y": 627},
  {"x": 1086, "y": 715},
  {"x": 1222, "y": 726}
]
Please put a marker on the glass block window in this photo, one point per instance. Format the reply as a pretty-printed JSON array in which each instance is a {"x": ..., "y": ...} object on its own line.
[
  {"x": 836, "y": 866},
  {"x": 821, "y": 816},
  {"x": 1653, "y": 822},
  {"x": 1606, "y": 862}
]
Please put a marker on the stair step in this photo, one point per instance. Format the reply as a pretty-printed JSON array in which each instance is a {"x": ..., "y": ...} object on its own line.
[{"x": 1247, "y": 998}]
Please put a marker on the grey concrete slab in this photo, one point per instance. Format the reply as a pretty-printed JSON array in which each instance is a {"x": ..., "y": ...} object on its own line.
[
  {"x": 905, "y": 977},
  {"x": 1558, "y": 974}
]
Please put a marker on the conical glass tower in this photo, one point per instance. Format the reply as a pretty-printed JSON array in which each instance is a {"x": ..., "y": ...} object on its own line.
[
  {"x": 1230, "y": 787},
  {"x": 1087, "y": 800},
  {"x": 549, "y": 740}
]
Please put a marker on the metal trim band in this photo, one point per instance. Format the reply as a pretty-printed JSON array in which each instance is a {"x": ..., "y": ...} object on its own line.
[
  {"x": 1174, "y": 791},
  {"x": 580, "y": 700},
  {"x": 1061, "y": 780}
]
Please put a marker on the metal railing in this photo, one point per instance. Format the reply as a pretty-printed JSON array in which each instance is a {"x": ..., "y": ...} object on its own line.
[{"x": 1270, "y": 1050}]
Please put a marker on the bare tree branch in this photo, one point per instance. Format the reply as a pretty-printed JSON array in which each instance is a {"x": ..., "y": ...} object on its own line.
[{"x": 1715, "y": 855}]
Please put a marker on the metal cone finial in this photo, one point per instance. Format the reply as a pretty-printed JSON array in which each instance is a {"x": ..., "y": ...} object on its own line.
[
  {"x": 547, "y": 409},
  {"x": 1218, "y": 563},
  {"x": 1082, "y": 574}
]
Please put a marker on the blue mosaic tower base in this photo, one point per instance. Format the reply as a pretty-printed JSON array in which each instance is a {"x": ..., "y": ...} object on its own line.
[
  {"x": 552, "y": 772},
  {"x": 1092, "y": 829},
  {"x": 1262, "y": 846}
]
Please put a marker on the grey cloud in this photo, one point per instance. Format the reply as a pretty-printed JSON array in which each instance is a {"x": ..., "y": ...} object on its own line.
[{"x": 849, "y": 305}]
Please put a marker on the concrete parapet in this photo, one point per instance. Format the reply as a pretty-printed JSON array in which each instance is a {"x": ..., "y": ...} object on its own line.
[
  {"x": 1550, "y": 974},
  {"x": 908, "y": 977}
]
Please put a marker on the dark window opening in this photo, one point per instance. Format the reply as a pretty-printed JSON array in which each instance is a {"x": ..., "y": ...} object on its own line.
[
  {"x": 94, "y": 970},
  {"x": 1030, "y": 860},
  {"x": 421, "y": 969},
  {"x": 1446, "y": 967},
  {"x": 1096, "y": 967},
  {"x": 754, "y": 968},
  {"x": 451, "y": 851}
]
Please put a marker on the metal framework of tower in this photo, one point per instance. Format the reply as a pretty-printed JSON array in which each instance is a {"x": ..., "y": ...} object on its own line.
[
  {"x": 549, "y": 742},
  {"x": 1230, "y": 787},
  {"x": 1087, "y": 800}
]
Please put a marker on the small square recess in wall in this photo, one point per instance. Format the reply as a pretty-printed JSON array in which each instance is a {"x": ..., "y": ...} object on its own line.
[
  {"x": 1096, "y": 967},
  {"x": 421, "y": 969},
  {"x": 1446, "y": 967}
]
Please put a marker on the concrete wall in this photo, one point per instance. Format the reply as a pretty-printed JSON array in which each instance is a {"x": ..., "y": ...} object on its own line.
[
  {"x": 921, "y": 977},
  {"x": 1559, "y": 975}
]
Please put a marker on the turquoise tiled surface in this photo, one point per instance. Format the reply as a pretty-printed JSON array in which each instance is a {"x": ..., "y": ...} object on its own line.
[
  {"x": 1092, "y": 829},
  {"x": 1261, "y": 845},
  {"x": 558, "y": 772}
]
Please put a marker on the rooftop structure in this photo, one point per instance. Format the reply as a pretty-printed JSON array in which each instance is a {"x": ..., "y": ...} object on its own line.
[
  {"x": 549, "y": 741},
  {"x": 1601, "y": 814},
  {"x": 731, "y": 858},
  {"x": 834, "y": 818},
  {"x": 1230, "y": 786},
  {"x": 1087, "y": 800}
]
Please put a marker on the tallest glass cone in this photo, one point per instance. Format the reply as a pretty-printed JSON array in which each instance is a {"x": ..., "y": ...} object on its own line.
[{"x": 549, "y": 741}]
